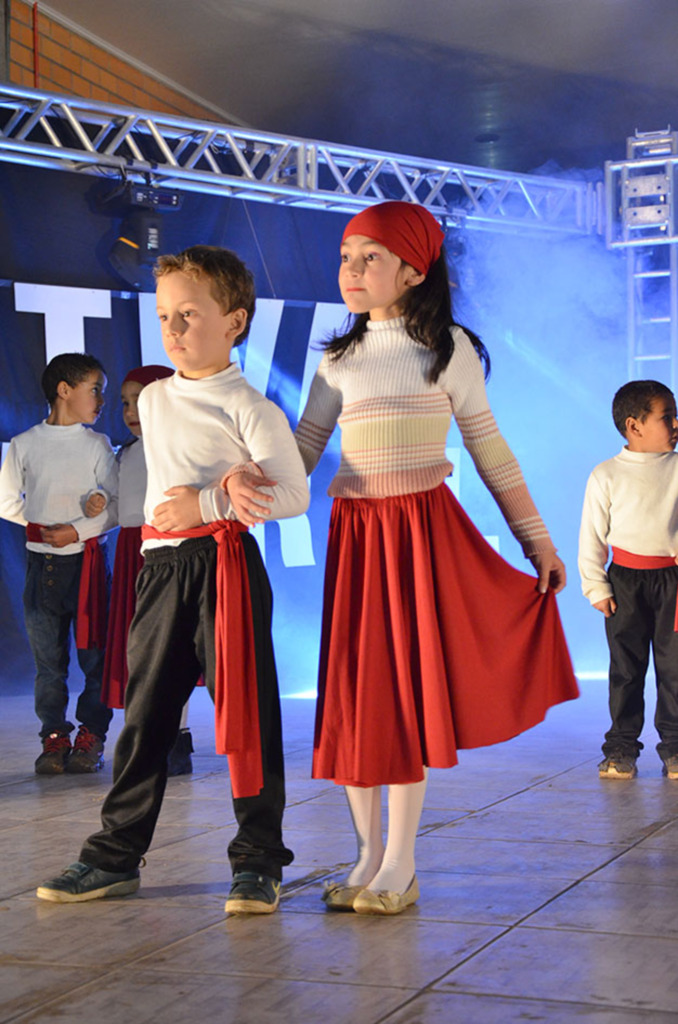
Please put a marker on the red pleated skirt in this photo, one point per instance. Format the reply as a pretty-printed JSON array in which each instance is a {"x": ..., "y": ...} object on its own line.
[
  {"x": 128, "y": 562},
  {"x": 430, "y": 643}
]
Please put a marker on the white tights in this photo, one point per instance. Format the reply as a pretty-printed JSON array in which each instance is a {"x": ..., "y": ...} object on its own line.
[{"x": 391, "y": 868}]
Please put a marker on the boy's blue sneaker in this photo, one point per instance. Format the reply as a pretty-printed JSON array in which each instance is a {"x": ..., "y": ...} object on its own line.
[
  {"x": 252, "y": 893},
  {"x": 80, "y": 882}
]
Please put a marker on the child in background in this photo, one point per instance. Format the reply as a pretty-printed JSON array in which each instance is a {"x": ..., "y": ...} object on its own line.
[
  {"x": 128, "y": 560},
  {"x": 430, "y": 641},
  {"x": 203, "y": 598},
  {"x": 45, "y": 481},
  {"x": 631, "y": 505}
]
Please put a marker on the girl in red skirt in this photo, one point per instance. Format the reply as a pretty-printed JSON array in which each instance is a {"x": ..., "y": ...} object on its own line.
[
  {"x": 430, "y": 642},
  {"x": 128, "y": 559}
]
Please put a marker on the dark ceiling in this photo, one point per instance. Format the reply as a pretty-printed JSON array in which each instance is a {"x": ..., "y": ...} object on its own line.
[{"x": 509, "y": 84}]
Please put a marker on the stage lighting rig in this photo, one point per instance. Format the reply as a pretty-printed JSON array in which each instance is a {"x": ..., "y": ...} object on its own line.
[{"x": 139, "y": 240}]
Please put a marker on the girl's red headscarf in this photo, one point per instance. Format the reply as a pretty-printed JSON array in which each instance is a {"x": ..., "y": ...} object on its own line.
[
  {"x": 406, "y": 229},
  {"x": 147, "y": 374}
]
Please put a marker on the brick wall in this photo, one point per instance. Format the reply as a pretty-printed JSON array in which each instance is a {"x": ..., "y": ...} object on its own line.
[{"x": 69, "y": 63}]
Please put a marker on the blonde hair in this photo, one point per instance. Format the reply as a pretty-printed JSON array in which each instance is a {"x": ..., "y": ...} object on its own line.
[{"x": 231, "y": 283}]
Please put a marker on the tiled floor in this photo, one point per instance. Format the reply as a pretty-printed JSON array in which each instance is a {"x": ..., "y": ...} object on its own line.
[{"x": 546, "y": 895}]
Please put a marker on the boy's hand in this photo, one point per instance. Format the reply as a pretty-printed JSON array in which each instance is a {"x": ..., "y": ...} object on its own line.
[
  {"x": 181, "y": 513},
  {"x": 607, "y": 606},
  {"x": 249, "y": 504},
  {"x": 95, "y": 504},
  {"x": 550, "y": 570},
  {"x": 59, "y": 535}
]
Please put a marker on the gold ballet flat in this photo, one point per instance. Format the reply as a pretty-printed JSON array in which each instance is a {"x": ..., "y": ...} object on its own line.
[
  {"x": 385, "y": 902},
  {"x": 338, "y": 896}
]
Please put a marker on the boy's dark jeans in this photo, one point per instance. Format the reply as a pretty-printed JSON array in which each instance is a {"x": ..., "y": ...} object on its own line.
[
  {"x": 171, "y": 642},
  {"x": 50, "y": 610},
  {"x": 645, "y": 618}
]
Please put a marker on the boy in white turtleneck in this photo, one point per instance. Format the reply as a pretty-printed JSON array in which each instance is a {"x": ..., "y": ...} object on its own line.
[
  {"x": 631, "y": 505},
  {"x": 203, "y": 599},
  {"x": 46, "y": 478}
]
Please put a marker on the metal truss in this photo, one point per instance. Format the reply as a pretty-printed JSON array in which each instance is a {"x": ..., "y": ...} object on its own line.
[
  {"x": 641, "y": 192},
  {"x": 642, "y": 219},
  {"x": 136, "y": 146}
]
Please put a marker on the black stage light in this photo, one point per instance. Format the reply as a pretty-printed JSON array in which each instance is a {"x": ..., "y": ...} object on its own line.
[
  {"x": 137, "y": 247},
  {"x": 139, "y": 240}
]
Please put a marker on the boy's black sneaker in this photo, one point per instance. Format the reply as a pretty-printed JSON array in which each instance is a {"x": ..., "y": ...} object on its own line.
[
  {"x": 179, "y": 760},
  {"x": 80, "y": 882},
  {"x": 252, "y": 893},
  {"x": 87, "y": 755},
  {"x": 55, "y": 750},
  {"x": 618, "y": 765}
]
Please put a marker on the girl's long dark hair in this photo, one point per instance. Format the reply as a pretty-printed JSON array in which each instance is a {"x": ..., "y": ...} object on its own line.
[{"x": 427, "y": 311}]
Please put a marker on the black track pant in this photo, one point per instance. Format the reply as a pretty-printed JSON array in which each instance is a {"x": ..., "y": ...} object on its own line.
[
  {"x": 171, "y": 642},
  {"x": 646, "y": 608}
]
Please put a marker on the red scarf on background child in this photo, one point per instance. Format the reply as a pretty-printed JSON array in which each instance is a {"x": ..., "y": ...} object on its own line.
[
  {"x": 90, "y": 626},
  {"x": 236, "y": 702}
]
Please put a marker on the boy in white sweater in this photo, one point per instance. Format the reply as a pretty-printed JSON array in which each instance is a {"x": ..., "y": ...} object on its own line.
[
  {"x": 631, "y": 505},
  {"x": 203, "y": 596},
  {"x": 46, "y": 478}
]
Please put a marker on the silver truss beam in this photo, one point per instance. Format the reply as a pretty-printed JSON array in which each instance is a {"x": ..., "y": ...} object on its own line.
[
  {"x": 641, "y": 192},
  {"x": 68, "y": 133},
  {"x": 642, "y": 219}
]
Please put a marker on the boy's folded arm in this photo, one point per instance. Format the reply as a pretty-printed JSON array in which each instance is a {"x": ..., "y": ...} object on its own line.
[
  {"x": 271, "y": 446},
  {"x": 214, "y": 503},
  {"x": 95, "y": 502},
  {"x": 87, "y": 527},
  {"x": 105, "y": 482}
]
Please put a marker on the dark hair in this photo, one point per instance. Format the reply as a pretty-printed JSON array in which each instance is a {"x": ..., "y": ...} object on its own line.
[
  {"x": 427, "y": 311},
  {"x": 231, "y": 283},
  {"x": 72, "y": 367},
  {"x": 635, "y": 399}
]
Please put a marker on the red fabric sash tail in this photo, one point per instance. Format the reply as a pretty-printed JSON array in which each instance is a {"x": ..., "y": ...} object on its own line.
[
  {"x": 128, "y": 562},
  {"x": 90, "y": 629},
  {"x": 92, "y": 598},
  {"x": 236, "y": 702}
]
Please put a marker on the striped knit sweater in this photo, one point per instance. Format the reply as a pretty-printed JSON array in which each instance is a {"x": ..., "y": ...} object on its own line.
[{"x": 394, "y": 425}]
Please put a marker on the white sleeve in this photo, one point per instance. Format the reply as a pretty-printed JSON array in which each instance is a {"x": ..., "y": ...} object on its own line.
[
  {"x": 106, "y": 478},
  {"x": 269, "y": 440},
  {"x": 593, "y": 546},
  {"x": 12, "y": 483}
]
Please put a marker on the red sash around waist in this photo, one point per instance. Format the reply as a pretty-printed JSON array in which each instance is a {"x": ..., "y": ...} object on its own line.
[
  {"x": 90, "y": 626},
  {"x": 630, "y": 561},
  {"x": 236, "y": 703}
]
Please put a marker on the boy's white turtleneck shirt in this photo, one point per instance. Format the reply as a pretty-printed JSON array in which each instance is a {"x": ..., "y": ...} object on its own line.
[
  {"x": 198, "y": 431},
  {"x": 48, "y": 474},
  {"x": 631, "y": 502}
]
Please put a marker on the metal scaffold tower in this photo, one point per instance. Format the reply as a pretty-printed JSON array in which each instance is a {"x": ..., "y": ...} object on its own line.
[
  {"x": 641, "y": 218},
  {"x": 141, "y": 147}
]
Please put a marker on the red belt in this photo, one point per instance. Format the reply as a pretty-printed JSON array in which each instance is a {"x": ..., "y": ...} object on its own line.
[
  {"x": 236, "y": 703},
  {"x": 90, "y": 626},
  {"x": 630, "y": 561}
]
